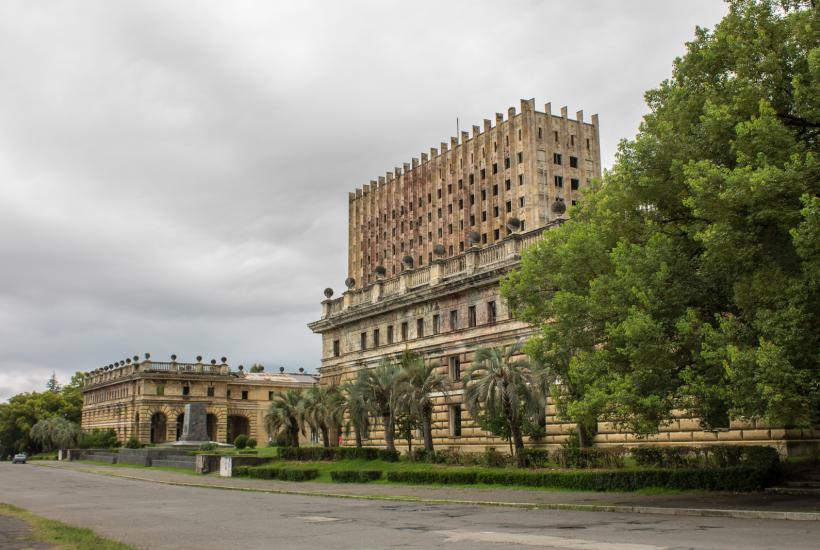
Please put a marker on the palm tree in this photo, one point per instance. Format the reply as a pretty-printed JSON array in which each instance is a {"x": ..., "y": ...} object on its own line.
[
  {"x": 323, "y": 408},
  {"x": 498, "y": 382},
  {"x": 383, "y": 385},
  {"x": 420, "y": 379},
  {"x": 286, "y": 413},
  {"x": 358, "y": 407}
]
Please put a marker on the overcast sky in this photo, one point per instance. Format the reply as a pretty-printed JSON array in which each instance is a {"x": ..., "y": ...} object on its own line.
[{"x": 174, "y": 175}]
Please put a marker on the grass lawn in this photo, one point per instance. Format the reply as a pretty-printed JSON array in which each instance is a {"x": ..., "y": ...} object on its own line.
[{"x": 62, "y": 536}]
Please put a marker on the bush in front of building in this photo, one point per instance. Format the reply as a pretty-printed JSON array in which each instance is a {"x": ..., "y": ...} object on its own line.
[
  {"x": 708, "y": 456},
  {"x": 710, "y": 479},
  {"x": 133, "y": 443},
  {"x": 241, "y": 441},
  {"x": 97, "y": 439},
  {"x": 271, "y": 472},
  {"x": 251, "y": 443},
  {"x": 355, "y": 476},
  {"x": 338, "y": 453},
  {"x": 591, "y": 457}
]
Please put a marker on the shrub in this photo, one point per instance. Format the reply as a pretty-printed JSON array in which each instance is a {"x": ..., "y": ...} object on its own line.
[
  {"x": 707, "y": 456},
  {"x": 711, "y": 479},
  {"x": 494, "y": 459},
  {"x": 534, "y": 458},
  {"x": 247, "y": 452},
  {"x": 338, "y": 453},
  {"x": 133, "y": 443},
  {"x": 593, "y": 457},
  {"x": 284, "y": 474},
  {"x": 241, "y": 441},
  {"x": 97, "y": 439},
  {"x": 251, "y": 443},
  {"x": 355, "y": 476}
]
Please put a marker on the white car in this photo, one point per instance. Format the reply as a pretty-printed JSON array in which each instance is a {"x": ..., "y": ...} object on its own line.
[{"x": 19, "y": 458}]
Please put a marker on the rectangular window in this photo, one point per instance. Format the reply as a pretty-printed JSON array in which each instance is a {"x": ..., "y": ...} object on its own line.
[
  {"x": 507, "y": 185},
  {"x": 559, "y": 181},
  {"x": 496, "y": 234},
  {"x": 573, "y": 162},
  {"x": 520, "y": 158},
  {"x": 404, "y": 331},
  {"x": 495, "y": 167},
  {"x": 436, "y": 323},
  {"x": 484, "y": 216},
  {"x": 210, "y": 391},
  {"x": 556, "y": 136},
  {"x": 454, "y": 319},
  {"x": 491, "y": 312},
  {"x": 376, "y": 336},
  {"x": 495, "y": 190},
  {"x": 390, "y": 334},
  {"x": 471, "y": 313},
  {"x": 507, "y": 162},
  {"x": 270, "y": 396},
  {"x": 483, "y": 173},
  {"x": 186, "y": 390},
  {"x": 520, "y": 179},
  {"x": 419, "y": 328},
  {"x": 574, "y": 184},
  {"x": 228, "y": 394},
  {"x": 455, "y": 367},
  {"x": 483, "y": 238},
  {"x": 160, "y": 389},
  {"x": 556, "y": 158},
  {"x": 472, "y": 219},
  {"x": 509, "y": 206},
  {"x": 495, "y": 211},
  {"x": 572, "y": 140},
  {"x": 484, "y": 194},
  {"x": 244, "y": 395},
  {"x": 471, "y": 179},
  {"x": 363, "y": 339},
  {"x": 455, "y": 421},
  {"x": 336, "y": 348},
  {"x": 521, "y": 202}
]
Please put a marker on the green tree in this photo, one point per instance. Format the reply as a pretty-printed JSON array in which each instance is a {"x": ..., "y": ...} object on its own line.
[
  {"x": 286, "y": 413},
  {"x": 53, "y": 385},
  {"x": 257, "y": 367},
  {"x": 383, "y": 393},
  {"x": 419, "y": 380},
  {"x": 323, "y": 410},
  {"x": 689, "y": 278},
  {"x": 55, "y": 433},
  {"x": 497, "y": 382},
  {"x": 358, "y": 407}
]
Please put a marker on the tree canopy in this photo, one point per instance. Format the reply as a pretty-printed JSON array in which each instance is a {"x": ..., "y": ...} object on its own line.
[{"x": 688, "y": 278}]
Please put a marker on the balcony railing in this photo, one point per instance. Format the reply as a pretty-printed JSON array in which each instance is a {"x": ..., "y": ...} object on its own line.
[
  {"x": 106, "y": 374},
  {"x": 472, "y": 261}
]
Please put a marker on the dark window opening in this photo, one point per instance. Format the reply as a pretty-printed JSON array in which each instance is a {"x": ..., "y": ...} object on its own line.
[
  {"x": 210, "y": 391},
  {"x": 390, "y": 334},
  {"x": 491, "y": 312},
  {"x": 404, "y": 331},
  {"x": 454, "y": 319},
  {"x": 471, "y": 314},
  {"x": 455, "y": 421},
  {"x": 455, "y": 367},
  {"x": 376, "y": 335},
  {"x": 336, "y": 348},
  {"x": 419, "y": 328},
  {"x": 244, "y": 395},
  {"x": 363, "y": 340},
  {"x": 436, "y": 323},
  {"x": 573, "y": 162}
]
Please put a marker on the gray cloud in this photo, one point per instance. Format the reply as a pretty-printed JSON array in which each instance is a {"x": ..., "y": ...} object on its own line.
[{"x": 174, "y": 175}]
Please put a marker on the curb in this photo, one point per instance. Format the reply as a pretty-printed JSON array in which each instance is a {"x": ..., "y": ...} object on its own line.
[{"x": 613, "y": 508}]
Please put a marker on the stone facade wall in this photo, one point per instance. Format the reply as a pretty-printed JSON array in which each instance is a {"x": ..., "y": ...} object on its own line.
[
  {"x": 517, "y": 167},
  {"x": 127, "y": 398}
]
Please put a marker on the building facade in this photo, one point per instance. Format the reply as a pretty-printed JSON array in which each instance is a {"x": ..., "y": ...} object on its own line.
[
  {"x": 146, "y": 398},
  {"x": 428, "y": 246}
]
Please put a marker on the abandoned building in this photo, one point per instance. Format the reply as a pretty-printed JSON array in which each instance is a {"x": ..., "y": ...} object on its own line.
[
  {"x": 146, "y": 398},
  {"x": 428, "y": 246}
]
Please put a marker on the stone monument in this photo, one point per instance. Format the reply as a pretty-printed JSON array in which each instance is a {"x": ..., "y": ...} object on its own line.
[{"x": 194, "y": 425}]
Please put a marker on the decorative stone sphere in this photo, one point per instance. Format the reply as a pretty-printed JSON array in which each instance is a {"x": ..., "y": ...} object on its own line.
[
  {"x": 198, "y": 358},
  {"x": 350, "y": 283},
  {"x": 559, "y": 207},
  {"x": 223, "y": 359},
  {"x": 439, "y": 250},
  {"x": 128, "y": 361},
  {"x": 213, "y": 361},
  {"x": 380, "y": 271},
  {"x": 328, "y": 293},
  {"x": 513, "y": 224},
  {"x": 474, "y": 237},
  {"x": 173, "y": 357},
  {"x": 147, "y": 355},
  {"x": 301, "y": 369},
  {"x": 136, "y": 358},
  {"x": 408, "y": 261},
  {"x": 281, "y": 369}
]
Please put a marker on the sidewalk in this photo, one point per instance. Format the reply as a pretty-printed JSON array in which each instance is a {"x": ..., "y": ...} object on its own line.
[{"x": 742, "y": 505}]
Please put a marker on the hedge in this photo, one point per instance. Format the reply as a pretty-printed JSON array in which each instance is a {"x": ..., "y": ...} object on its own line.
[
  {"x": 708, "y": 456},
  {"x": 355, "y": 476},
  {"x": 337, "y": 453},
  {"x": 711, "y": 479},
  {"x": 268, "y": 472}
]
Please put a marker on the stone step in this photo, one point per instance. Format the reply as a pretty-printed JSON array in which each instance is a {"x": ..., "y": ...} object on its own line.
[
  {"x": 799, "y": 483},
  {"x": 167, "y": 463}
]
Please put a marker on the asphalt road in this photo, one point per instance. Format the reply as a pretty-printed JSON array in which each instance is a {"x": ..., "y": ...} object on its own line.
[{"x": 153, "y": 516}]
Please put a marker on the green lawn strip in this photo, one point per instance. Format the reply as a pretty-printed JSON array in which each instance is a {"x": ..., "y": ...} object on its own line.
[
  {"x": 189, "y": 471},
  {"x": 62, "y": 536}
]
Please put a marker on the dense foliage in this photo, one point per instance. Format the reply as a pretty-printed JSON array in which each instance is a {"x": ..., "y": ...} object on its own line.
[{"x": 689, "y": 278}]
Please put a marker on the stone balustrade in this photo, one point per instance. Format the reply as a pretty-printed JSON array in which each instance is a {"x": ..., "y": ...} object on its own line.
[
  {"x": 103, "y": 375},
  {"x": 471, "y": 261}
]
